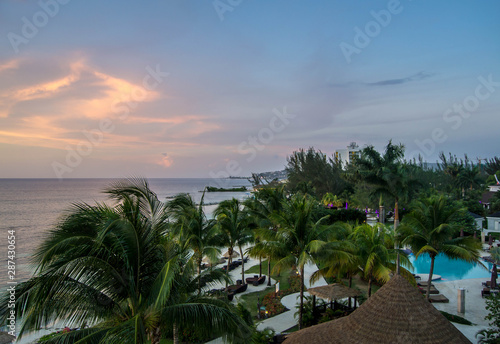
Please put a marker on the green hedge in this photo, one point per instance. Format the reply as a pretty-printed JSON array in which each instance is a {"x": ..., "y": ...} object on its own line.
[
  {"x": 344, "y": 215},
  {"x": 456, "y": 319}
]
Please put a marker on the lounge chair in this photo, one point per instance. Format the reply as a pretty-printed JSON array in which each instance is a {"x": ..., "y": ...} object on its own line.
[
  {"x": 487, "y": 284},
  {"x": 485, "y": 292},
  {"x": 438, "y": 298},
  {"x": 237, "y": 288},
  {"x": 433, "y": 290},
  {"x": 251, "y": 280},
  {"x": 424, "y": 284}
]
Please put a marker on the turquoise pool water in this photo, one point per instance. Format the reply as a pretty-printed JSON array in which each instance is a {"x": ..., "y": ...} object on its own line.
[{"x": 450, "y": 270}]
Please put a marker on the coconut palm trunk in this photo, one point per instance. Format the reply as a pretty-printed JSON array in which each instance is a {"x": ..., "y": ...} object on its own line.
[
  {"x": 396, "y": 213},
  {"x": 269, "y": 271},
  {"x": 260, "y": 267},
  {"x": 229, "y": 261},
  {"x": 301, "y": 309},
  {"x": 396, "y": 224},
  {"x": 156, "y": 336},
  {"x": 350, "y": 285},
  {"x": 242, "y": 266},
  {"x": 428, "y": 292},
  {"x": 370, "y": 286},
  {"x": 199, "y": 260},
  {"x": 175, "y": 331}
]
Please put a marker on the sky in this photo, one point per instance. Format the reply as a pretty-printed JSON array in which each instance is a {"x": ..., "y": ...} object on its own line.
[{"x": 212, "y": 88}]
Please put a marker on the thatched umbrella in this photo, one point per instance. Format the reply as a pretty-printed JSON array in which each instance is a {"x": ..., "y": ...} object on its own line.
[
  {"x": 6, "y": 338},
  {"x": 234, "y": 255},
  {"x": 333, "y": 292},
  {"x": 396, "y": 313}
]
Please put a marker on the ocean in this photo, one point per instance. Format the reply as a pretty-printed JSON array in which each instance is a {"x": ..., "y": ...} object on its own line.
[{"x": 31, "y": 207}]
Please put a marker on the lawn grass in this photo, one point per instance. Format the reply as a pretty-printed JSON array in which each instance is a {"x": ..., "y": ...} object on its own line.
[
  {"x": 292, "y": 329},
  {"x": 282, "y": 278},
  {"x": 250, "y": 300}
]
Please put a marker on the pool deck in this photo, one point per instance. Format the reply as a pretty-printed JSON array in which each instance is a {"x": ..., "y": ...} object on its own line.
[
  {"x": 425, "y": 277},
  {"x": 475, "y": 305}
]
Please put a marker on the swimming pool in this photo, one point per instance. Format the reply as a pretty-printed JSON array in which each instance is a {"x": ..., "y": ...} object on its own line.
[{"x": 449, "y": 269}]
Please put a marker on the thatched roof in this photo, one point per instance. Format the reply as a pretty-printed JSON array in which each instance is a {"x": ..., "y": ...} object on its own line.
[
  {"x": 335, "y": 291},
  {"x": 396, "y": 313},
  {"x": 6, "y": 338},
  {"x": 234, "y": 255}
]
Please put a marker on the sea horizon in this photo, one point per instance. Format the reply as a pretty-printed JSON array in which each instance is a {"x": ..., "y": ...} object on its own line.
[{"x": 32, "y": 206}]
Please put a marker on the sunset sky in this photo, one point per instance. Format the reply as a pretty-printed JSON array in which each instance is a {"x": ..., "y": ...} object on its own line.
[{"x": 185, "y": 88}]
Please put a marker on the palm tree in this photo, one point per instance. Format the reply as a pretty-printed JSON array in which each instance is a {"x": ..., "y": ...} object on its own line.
[
  {"x": 266, "y": 201},
  {"x": 192, "y": 227},
  {"x": 376, "y": 253},
  {"x": 233, "y": 224},
  {"x": 468, "y": 178},
  {"x": 115, "y": 268},
  {"x": 387, "y": 173},
  {"x": 338, "y": 256},
  {"x": 299, "y": 237},
  {"x": 429, "y": 229}
]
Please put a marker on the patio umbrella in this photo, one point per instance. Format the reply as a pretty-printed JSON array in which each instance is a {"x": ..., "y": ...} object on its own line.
[
  {"x": 494, "y": 276},
  {"x": 6, "y": 338}
]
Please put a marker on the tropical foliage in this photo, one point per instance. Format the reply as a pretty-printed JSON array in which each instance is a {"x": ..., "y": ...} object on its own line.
[
  {"x": 134, "y": 272},
  {"x": 429, "y": 229},
  {"x": 113, "y": 272},
  {"x": 311, "y": 172},
  {"x": 491, "y": 335}
]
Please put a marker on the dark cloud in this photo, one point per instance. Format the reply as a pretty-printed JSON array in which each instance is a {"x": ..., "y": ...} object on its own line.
[
  {"x": 417, "y": 77},
  {"x": 388, "y": 82}
]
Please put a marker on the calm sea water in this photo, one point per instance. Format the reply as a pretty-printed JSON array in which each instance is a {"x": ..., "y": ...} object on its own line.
[{"x": 31, "y": 207}]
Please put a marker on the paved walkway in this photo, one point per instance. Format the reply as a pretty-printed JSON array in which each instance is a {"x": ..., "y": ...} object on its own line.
[{"x": 282, "y": 322}]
